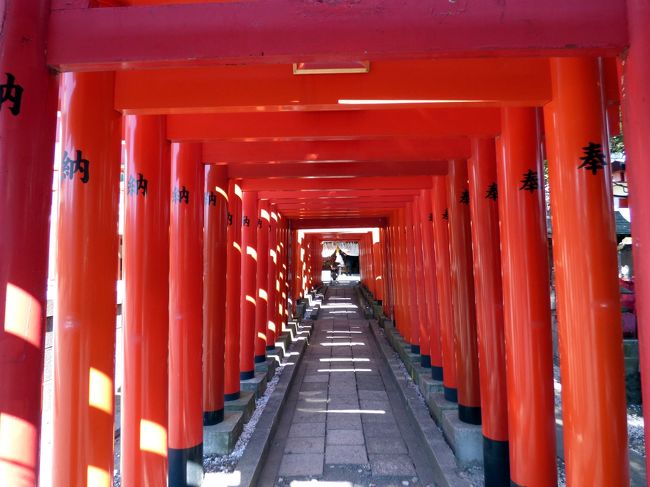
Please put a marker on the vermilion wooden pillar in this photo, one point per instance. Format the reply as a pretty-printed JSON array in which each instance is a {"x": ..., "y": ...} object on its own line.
[
  {"x": 462, "y": 288},
  {"x": 27, "y": 132},
  {"x": 391, "y": 261},
  {"x": 84, "y": 346},
  {"x": 273, "y": 281},
  {"x": 430, "y": 283},
  {"x": 403, "y": 319},
  {"x": 410, "y": 270},
  {"x": 636, "y": 119},
  {"x": 233, "y": 292},
  {"x": 589, "y": 311},
  {"x": 526, "y": 300},
  {"x": 378, "y": 264},
  {"x": 489, "y": 310},
  {"x": 385, "y": 272},
  {"x": 146, "y": 307},
  {"x": 215, "y": 259},
  {"x": 248, "y": 285},
  {"x": 440, "y": 212},
  {"x": 262, "y": 280},
  {"x": 186, "y": 316},
  {"x": 419, "y": 274}
]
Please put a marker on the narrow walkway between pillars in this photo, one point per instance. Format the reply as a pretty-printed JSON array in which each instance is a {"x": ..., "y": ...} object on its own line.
[{"x": 344, "y": 420}]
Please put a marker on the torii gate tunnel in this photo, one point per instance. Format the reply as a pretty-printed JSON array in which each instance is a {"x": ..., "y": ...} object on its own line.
[{"x": 426, "y": 125}]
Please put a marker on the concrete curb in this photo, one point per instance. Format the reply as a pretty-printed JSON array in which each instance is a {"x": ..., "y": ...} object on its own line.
[
  {"x": 439, "y": 452},
  {"x": 252, "y": 461}
]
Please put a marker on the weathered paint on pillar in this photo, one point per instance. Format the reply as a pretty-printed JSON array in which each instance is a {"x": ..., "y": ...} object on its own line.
[
  {"x": 430, "y": 283},
  {"x": 440, "y": 212},
  {"x": 526, "y": 301},
  {"x": 462, "y": 288},
  {"x": 215, "y": 260},
  {"x": 233, "y": 292},
  {"x": 636, "y": 119},
  {"x": 84, "y": 336},
  {"x": 263, "y": 223},
  {"x": 489, "y": 310},
  {"x": 589, "y": 312},
  {"x": 186, "y": 316},
  {"x": 248, "y": 285},
  {"x": 143, "y": 436},
  {"x": 27, "y": 132}
]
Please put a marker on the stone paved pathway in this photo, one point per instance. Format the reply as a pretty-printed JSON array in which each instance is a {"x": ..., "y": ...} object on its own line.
[{"x": 344, "y": 423}]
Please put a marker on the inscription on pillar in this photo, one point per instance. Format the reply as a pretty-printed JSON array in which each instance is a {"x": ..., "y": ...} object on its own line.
[
  {"x": 530, "y": 181},
  {"x": 210, "y": 198},
  {"x": 445, "y": 214},
  {"x": 70, "y": 167},
  {"x": 492, "y": 192},
  {"x": 137, "y": 186},
  {"x": 245, "y": 221},
  {"x": 12, "y": 93},
  {"x": 229, "y": 218},
  {"x": 593, "y": 159},
  {"x": 464, "y": 197},
  {"x": 181, "y": 195}
]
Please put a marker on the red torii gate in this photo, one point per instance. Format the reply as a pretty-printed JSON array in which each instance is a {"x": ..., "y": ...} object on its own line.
[{"x": 88, "y": 39}]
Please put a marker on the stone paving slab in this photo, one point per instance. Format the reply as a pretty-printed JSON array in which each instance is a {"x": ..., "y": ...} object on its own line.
[
  {"x": 339, "y": 421},
  {"x": 346, "y": 455},
  {"x": 311, "y": 444},
  {"x": 345, "y": 437},
  {"x": 296, "y": 464},
  {"x": 386, "y": 445},
  {"x": 300, "y": 430}
]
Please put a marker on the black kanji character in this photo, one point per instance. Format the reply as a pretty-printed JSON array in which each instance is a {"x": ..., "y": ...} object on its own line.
[
  {"x": 210, "y": 198},
  {"x": 430, "y": 217},
  {"x": 13, "y": 93},
  {"x": 70, "y": 167},
  {"x": 229, "y": 218},
  {"x": 492, "y": 192},
  {"x": 259, "y": 223},
  {"x": 178, "y": 196},
  {"x": 445, "y": 214},
  {"x": 594, "y": 159},
  {"x": 530, "y": 182},
  {"x": 246, "y": 222},
  {"x": 464, "y": 197},
  {"x": 137, "y": 185}
]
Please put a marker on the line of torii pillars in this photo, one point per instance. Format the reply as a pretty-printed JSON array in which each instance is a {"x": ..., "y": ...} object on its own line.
[{"x": 468, "y": 354}]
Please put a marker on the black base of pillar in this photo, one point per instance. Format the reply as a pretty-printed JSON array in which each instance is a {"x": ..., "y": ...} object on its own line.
[
  {"x": 425, "y": 361},
  {"x": 212, "y": 417},
  {"x": 270, "y": 348},
  {"x": 260, "y": 359},
  {"x": 232, "y": 397},
  {"x": 515, "y": 484},
  {"x": 496, "y": 463},
  {"x": 185, "y": 466},
  {"x": 437, "y": 373},
  {"x": 247, "y": 375},
  {"x": 451, "y": 394},
  {"x": 469, "y": 414},
  {"x": 415, "y": 349}
]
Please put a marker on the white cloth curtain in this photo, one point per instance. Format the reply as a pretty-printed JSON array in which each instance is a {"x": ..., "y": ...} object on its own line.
[{"x": 349, "y": 248}]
